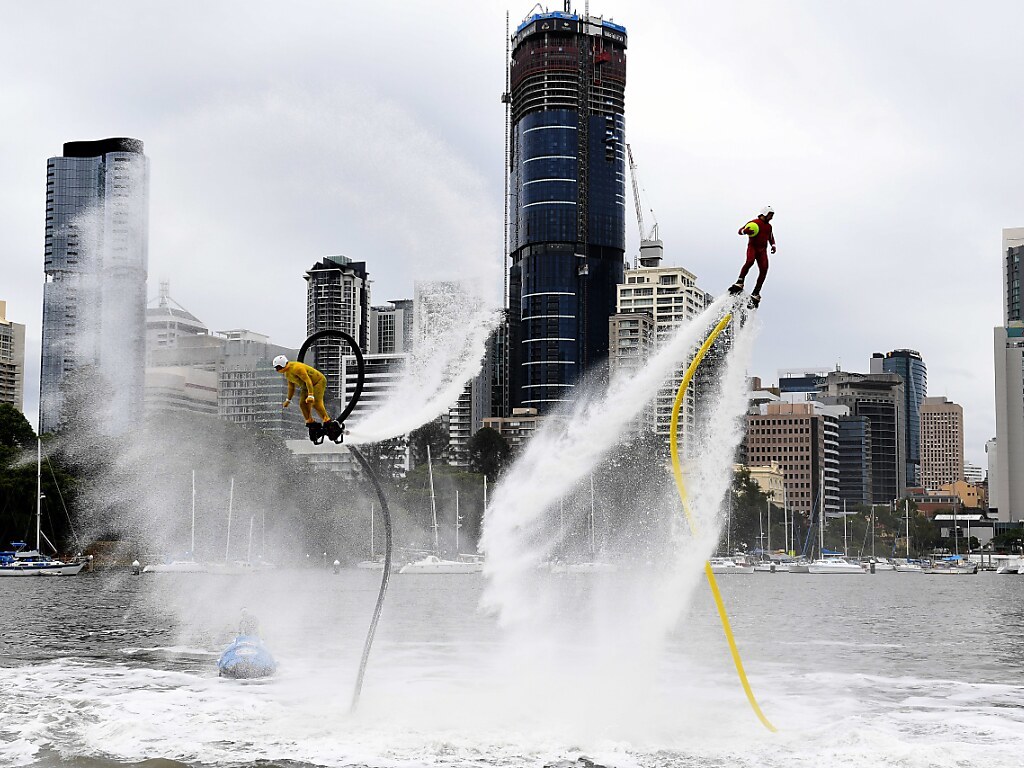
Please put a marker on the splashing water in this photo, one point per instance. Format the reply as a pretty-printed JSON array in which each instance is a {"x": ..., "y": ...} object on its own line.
[{"x": 451, "y": 334}]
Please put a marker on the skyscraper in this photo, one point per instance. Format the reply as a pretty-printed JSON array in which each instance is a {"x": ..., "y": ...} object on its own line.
[
  {"x": 94, "y": 298},
  {"x": 910, "y": 366},
  {"x": 337, "y": 298},
  {"x": 1006, "y": 455},
  {"x": 567, "y": 79},
  {"x": 12, "y": 360},
  {"x": 942, "y": 443}
]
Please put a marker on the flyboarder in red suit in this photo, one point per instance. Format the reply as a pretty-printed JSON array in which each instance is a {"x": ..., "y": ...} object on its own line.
[{"x": 760, "y": 236}]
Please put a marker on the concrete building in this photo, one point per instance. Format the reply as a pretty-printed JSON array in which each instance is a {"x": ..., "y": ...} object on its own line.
[
  {"x": 168, "y": 321},
  {"x": 567, "y": 198},
  {"x": 771, "y": 479},
  {"x": 94, "y": 297},
  {"x": 880, "y": 398},
  {"x": 855, "y": 479},
  {"x": 518, "y": 428},
  {"x": 391, "y": 328},
  {"x": 1006, "y": 483},
  {"x": 337, "y": 298},
  {"x": 973, "y": 474},
  {"x": 631, "y": 341},
  {"x": 803, "y": 440},
  {"x": 12, "y": 360},
  {"x": 672, "y": 297},
  {"x": 911, "y": 368},
  {"x": 249, "y": 390},
  {"x": 942, "y": 442},
  {"x": 180, "y": 389}
]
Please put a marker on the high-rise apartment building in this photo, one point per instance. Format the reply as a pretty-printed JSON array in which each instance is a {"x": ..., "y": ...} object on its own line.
[
  {"x": 855, "y": 460},
  {"x": 1006, "y": 450},
  {"x": 880, "y": 398},
  {"x": 337, "y": 298},
  {"x": 94, "y": 297},
  {"x": 911, "y": 368},
  {"x": 567, "y": 79},
  {"x": 12, "y": 360},
  {"x": 803, "y": 440},
  {"x": 672, "y": 297},
  {"x": 391, "y": 327},
  {"x": 942, "y": 443}
]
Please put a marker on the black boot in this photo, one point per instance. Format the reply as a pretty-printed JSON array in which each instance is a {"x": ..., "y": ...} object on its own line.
[
  {"x": 755, "y": 300},
  {"x": 316, "y": 432},
  {"x": 334, "y": 430},
  {"x": 736, "y": 287}
]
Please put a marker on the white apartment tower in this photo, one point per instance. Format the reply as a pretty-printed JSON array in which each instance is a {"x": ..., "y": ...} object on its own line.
[{"x": 671, "y": 296}]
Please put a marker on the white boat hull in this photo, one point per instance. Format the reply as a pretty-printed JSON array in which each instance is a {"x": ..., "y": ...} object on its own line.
[
  {"x": 51, "y": 569},
  {"x": 834, "y": 566},
  {"x": 435, "y": 565},
  {"x": 178, "y": 566}
]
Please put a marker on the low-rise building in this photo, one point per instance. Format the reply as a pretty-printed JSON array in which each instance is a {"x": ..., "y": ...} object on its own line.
[{"x": 518, "y": 428}]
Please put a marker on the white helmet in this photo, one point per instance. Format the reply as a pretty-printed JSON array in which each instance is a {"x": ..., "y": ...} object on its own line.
[
  {"x": 280, "y": 361},
  {"x": 766, "y": 210}
]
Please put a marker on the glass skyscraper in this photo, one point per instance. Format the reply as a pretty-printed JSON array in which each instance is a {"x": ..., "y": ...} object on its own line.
[
  {"x": 910, "y": 366},
  {"x": 94, "y": 298},
  {"x": 567, "y": 81}
]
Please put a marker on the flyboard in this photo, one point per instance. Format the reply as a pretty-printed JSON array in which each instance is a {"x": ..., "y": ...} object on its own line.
[{"x": 246, "y": 659}]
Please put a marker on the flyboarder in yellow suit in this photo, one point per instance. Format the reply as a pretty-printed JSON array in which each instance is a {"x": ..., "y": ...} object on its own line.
[{"x": 311, "y": 383}]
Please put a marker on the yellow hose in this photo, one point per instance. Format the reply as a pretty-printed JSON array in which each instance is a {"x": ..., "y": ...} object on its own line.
[{"x": 678, "y": 474}]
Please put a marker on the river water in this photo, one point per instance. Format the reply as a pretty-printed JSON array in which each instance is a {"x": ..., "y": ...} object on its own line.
[{"x": 110, "y": 669}]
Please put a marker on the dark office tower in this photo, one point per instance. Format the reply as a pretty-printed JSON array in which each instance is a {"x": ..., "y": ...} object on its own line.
[
  {"x": 567, "y": 80},
  {"x": 337, "y": 298},
  {"x": 94, "y": 297},
  {"x": 909, "y": 365}
]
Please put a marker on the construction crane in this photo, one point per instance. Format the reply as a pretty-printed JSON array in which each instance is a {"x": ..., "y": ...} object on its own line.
[{"x": 651, "y": 248}]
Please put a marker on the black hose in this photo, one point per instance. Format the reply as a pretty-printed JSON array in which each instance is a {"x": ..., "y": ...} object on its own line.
[
  {"x": 384, "y": 579},
  {"x": 361, "y": 377}
]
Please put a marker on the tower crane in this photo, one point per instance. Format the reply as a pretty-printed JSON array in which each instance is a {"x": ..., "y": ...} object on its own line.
[{"x": 651, "y": 248}]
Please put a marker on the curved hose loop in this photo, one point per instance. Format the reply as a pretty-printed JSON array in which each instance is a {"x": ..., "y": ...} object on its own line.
[
  {"x": 360, "y": 364},
  {"x": 677, "y": 472},
  {"x": 385, "y": 511}
]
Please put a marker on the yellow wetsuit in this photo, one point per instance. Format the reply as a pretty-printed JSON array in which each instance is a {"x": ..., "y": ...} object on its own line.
[{"x": 310, "y": 382}]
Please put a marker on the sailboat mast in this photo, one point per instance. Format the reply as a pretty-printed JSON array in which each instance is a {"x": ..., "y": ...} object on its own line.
[
  {"x": 768, "y": 523},
  {"x": 906, "y": 514},
  {"x": 39, "y": 491},
  {"x": 593, "y": 535},
  {"x": 785, "y": 520},
  {"x": 372, "y": 554},
  {"x": 192, "y": 549},
  {"x": 845, "y": 546},
  {"x": 457, "y": 523},
  {"x": 248, "y": 558},
  {"x": 231, "y": 502},
  {"x": 433, "y": 501}
]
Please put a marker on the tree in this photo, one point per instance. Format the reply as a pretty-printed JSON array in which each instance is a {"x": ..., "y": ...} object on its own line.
[
  {"x": 488, "y": 453},
  {"x": 15, "y": 431},
  {"x": 432, "y": 434}
]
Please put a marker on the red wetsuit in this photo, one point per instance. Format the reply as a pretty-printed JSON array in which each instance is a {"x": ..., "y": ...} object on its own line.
[{"x": 757, "y": 250}]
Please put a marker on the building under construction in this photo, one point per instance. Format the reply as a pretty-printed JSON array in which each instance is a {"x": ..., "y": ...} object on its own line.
[{"x": 566, "y": 96}]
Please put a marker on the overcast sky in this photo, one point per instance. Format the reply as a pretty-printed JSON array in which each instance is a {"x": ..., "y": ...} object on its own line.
[{"x": 887, "y": 135}]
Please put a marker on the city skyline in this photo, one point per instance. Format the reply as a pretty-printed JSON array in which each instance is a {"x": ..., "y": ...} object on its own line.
[{"x": 267, "y": 151}]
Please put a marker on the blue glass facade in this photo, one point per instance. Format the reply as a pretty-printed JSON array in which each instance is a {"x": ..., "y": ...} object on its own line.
[
  {"x": 909, "y": 365},
  {"x": 567, "y": 228}
]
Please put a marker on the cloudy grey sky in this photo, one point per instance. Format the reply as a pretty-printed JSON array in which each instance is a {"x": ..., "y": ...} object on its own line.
[{"x": 885, "y": 134}]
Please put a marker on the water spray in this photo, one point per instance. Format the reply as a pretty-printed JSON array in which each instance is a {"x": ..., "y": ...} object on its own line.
[
  {"x": 375, "y": 481},
  {"x": 678, "y": 474}
]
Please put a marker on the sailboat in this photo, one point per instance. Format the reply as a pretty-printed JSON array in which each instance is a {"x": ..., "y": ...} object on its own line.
[
  {"x": 593, "y": 565},
  {"x": 238, "y": 566},
  {"x": 374, "y": 563},
  {"x": 31, "y": 562},
  {"x": 182, "y": 566},
  {"x": 434, "y": 563}
]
